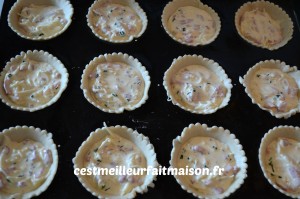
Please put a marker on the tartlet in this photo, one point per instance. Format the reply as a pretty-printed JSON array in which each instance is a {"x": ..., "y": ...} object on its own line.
[
  {"x": 279, "y": 158},
  {"x": 264, "y": 24},
  {"x": 115, "y": 147},
  {"x": 117, "y": 21},
  {"x": 202, "y": 147},
  {"x": 46, "y": 79},
  {"x": 33, "y": 147},
  {"x": 115, "y": 82},
  {"x": 274, "y": 87},
  {"x": 197, "y": 84},
  {"x": 191, "y": 22},
  {"x": 40, "y": 20}
]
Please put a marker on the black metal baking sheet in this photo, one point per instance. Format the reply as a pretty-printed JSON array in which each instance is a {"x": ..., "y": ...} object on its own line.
[{"x": 72, "y": 118}]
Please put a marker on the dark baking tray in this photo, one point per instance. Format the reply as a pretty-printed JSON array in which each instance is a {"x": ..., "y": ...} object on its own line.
[{"x": 72, "y": 118}]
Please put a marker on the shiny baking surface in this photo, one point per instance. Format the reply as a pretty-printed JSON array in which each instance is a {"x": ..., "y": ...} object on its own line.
[{"x": 72, "y": 118}]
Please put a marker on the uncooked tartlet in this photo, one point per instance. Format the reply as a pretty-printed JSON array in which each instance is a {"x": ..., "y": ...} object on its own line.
[
  {"x": 28, "y": 162},
  {"x": 279, "y": 157},
  {"x": 207, "y": 148},
  {"x": 116, "y": 147},
  {"x": 117, "y": 21},
  {"x": 264, "y": 24},
  {"x": 115, "y": 82},
  {"x": 197, "y": 84},
  {"x": 40, "y": 20},
  {"x": 32, "y": 81},
  {"x": 274, "y": 87},
  {"x": 191, "y": 22}
]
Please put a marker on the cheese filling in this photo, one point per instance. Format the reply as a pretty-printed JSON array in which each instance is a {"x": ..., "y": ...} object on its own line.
[
  {"x": 197, "y": 87},
  {"x": 275, "y": 90},
  {"x": 116, "y": 85},
  {"x": 24, "y": 166},
  {"x": 192, "y": 25},
  {"x": 259, "y": 27},
  {"x": 207, "y": 152},
  {"x": 110, "y": 152},
  {"x": 283, "y": 163},
  {"x": 116, "y": 22},
  {"x": 42, "y": 20},
  {"x": 31, "y": 83}
]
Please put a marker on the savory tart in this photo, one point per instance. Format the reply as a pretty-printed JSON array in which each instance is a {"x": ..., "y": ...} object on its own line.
[
  {"x": 191, "y": 22},
  {"x": 197, "y": 84},
  {"x": 217, "y": 154},
  {"x": 264, "y": 24},
  {"x": 40, "y": 20},
  {"x": 279, "y": 157},
  {"x": 274, "y": 87},
  {"x": 115, "y": 82},
  {"x": 116, "y": 147},
  {"x": 32, "y": 81},
  {"x": 28, "y": 162},
  {"x": 117, "y": 21}
]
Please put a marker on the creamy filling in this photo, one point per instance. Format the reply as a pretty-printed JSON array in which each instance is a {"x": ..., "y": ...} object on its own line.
[
  {"x": 275, "y": 90},
  {"x": 207, "y": 152},
  {"x": 116, "y": 22},
  {"x": 31, "y": 83},
  {"x": 192, "y": 25},
  {"x": 198, "y": 88},
  {"x": 116, "y": 85},
  {"x": 259, "y": 27},
  {"x": 110, "y": 152},
  {"x": 42, "y": 20},
  {"x": 283, "y": 163},
  {"x": 24, "y": 166}
]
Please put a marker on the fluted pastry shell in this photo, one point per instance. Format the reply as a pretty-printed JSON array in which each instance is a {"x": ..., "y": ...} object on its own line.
[
  {"x": 271, "y": 64},
  {"x": 171, "y": 8},
  {"x": 129, "y": 3},
  {"x": 141, "y": 141},
  {"x": 220, "y": 134},
  {"x": 212, "y": 66},
  {"x": 38, "y": 56},
  {"x": 114, "y": 58},
  {"x": 14, "y": 15},
  {"x": 289, "y": 132},
  {"x": 276, "y": 13},
  {"x": 19, "y": 134}
]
